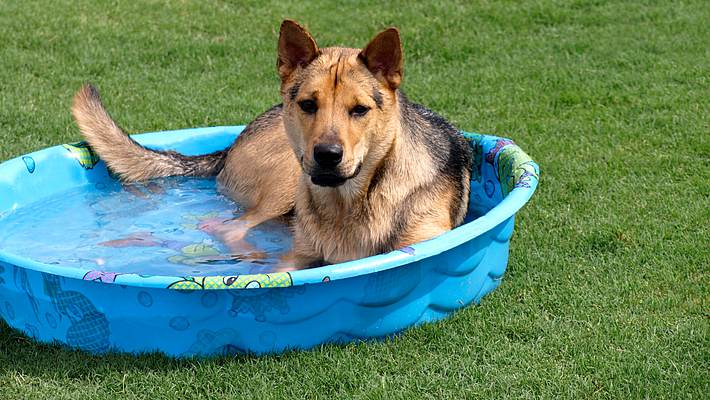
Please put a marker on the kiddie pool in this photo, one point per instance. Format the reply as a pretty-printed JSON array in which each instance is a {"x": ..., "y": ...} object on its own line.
[{"x": 99, "y": 311}]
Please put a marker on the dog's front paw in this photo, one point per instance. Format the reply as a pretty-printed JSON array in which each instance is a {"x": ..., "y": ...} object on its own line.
[
  {"x": 212, "y": 226},
  {"x": 293, "y": 261},
  {"x": 231, "y": 234}
]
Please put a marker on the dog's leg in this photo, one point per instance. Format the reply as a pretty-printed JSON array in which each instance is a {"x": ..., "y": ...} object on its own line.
[
  {"x": 233, "y": 232},
  {"x": 294, "y": 260},
  {"x": 425, "y": 229},
  {"x": 302, "y": 255},
  {"x": 260, "y": 174},
  {"x": 271, "y": 201}
]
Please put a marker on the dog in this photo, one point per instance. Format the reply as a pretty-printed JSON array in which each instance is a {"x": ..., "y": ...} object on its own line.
[{"x": 361, "y": 169}]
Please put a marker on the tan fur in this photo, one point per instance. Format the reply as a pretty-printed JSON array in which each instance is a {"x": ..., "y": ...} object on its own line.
[
  {"x": 264, "y": 172},
  {"x": 394, "y": 196}
]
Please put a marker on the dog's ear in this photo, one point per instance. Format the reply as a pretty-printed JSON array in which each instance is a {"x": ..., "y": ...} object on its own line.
[
  {"x": 296, "y": 48},
  {"x": 383, "y": 57}
]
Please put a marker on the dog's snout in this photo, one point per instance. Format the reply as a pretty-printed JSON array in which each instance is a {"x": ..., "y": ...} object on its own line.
[{"x": 328, "y": 155}]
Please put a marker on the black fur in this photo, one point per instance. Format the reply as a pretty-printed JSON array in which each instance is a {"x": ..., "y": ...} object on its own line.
[
  {"x": 293, "y": 92},
  {"x": 264, "y": 119},
  {"x": 377, "y": 97},
  {"x": 450, "y": 153},
  {"x": 377, "y": 176},
  {"x": 400, "y": 221},
  {"x": 336, "y": 66},
  {"x": 203, "y": 165},
  {"x": 446, "y": 145}
]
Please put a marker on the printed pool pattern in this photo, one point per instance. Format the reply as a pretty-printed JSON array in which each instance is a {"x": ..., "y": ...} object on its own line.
[
  {"x": 100, "y": 311},
  {"x": 83, "y": 154},
  {"x": 257, "y": 281}
]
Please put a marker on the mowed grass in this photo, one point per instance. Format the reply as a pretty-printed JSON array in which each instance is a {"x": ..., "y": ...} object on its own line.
[{"x": 608, "y": 287}]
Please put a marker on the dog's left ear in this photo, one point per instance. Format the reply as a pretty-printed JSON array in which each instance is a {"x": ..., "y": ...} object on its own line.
[{"x": 383, "y": 57}]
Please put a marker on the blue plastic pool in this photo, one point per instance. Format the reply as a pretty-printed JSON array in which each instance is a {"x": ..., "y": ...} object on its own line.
[{"x": 100, "y": 266}]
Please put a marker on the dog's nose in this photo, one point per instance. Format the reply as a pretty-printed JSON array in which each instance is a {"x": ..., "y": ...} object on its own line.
[{"x": 328, "y": 155}]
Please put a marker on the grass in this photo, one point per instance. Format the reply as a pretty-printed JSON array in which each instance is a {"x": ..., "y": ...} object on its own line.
[{"x": 607, "y": 291}]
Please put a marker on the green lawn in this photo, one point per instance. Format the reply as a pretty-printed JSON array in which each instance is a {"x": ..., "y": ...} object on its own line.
[{"x": 608, "y": 287}]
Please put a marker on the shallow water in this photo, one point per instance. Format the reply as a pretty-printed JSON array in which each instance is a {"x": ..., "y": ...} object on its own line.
[{"x": 150, "y": 229}]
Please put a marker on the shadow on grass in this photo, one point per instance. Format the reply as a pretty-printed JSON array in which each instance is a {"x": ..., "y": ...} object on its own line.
[
  {"x": 22, "y": 354},
  {"x": 19, "y": 353}
]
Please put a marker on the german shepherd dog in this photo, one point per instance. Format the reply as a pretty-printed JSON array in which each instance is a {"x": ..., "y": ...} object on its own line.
[{"x": 360, "y": 168}]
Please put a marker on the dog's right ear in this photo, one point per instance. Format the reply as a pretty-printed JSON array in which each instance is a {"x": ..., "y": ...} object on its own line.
[{"x": 296, "y": 48}]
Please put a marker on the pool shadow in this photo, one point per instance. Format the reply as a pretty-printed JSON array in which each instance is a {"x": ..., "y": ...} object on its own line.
[
  {"x": 22, "y": 354},
  {"x": 19, "y": 353}
]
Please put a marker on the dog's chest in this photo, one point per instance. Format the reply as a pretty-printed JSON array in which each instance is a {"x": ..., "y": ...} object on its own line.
[{"x": 347, "y": 232}]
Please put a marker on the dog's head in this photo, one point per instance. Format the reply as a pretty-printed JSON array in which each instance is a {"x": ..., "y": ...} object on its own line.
[{"x": 339, "y": 103}]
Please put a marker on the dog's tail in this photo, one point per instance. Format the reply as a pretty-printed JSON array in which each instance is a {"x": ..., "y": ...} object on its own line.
[{"x": 124, "y": 156}]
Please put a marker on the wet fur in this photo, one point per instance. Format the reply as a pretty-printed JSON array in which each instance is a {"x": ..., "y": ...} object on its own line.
[{"x": 410, "y": 168}]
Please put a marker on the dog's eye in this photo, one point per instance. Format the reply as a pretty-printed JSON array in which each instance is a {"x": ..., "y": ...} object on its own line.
[
  {"x": 308, "y": 106},
  {"x": 359, "y": 110}
]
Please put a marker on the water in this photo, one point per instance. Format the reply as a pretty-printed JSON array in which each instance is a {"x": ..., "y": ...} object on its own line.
[{"x": 155, "y": 229}]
